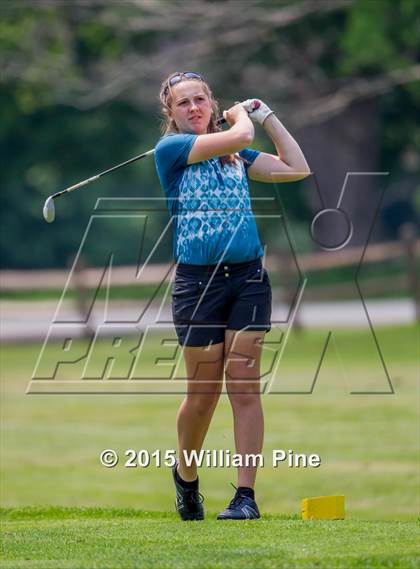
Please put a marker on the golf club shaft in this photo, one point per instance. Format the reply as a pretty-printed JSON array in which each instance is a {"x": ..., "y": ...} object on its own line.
[
  {"x": 93, "y": 178},
  {"x": 220, "y": 121}
]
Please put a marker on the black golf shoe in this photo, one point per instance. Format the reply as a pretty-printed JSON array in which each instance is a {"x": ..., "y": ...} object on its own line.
[
  {"x": 242, "y": 507},
  {"x": 189, "y": 501}
]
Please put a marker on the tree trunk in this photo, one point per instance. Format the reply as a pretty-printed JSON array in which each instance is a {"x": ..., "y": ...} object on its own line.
[{"x": 346, "y": 143}]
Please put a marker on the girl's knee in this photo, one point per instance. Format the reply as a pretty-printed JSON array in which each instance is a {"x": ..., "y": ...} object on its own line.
[
  {"x": 245, "y": 397},
  {"x": 202, "y": 403}
]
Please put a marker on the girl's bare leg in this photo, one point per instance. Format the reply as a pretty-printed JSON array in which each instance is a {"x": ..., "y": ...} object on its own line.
[
  {"x": 204, "y": 368},
  {"x": 242, "y": 357}
]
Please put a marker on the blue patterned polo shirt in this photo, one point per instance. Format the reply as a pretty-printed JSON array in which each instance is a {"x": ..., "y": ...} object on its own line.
[{"x": 209, "y": 204}]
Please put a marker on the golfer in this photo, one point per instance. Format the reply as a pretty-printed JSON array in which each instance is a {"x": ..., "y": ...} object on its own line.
[{"x": 221, "y": 299}]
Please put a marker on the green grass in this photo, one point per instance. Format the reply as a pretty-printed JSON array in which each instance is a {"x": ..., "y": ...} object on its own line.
[
  {"x": 100, "y": 538},
  {"x": 97, "y": 538},
  {"x": 122, "y": 517},
  {"x": 368, "y": 443}
]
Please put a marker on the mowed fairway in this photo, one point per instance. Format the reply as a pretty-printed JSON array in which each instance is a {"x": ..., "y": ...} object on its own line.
[
  {"x": 123, "y": 517},
  {"x": 56, "y": 538}
]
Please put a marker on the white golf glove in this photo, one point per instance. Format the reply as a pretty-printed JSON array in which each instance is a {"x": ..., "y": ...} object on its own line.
[{"x": 257, "y": 110}]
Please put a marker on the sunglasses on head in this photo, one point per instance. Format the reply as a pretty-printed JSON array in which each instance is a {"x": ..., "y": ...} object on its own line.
[{"x": 178, "y": 77}]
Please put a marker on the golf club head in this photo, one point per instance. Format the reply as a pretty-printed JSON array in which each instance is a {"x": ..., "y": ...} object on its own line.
[{"x": 49, "y": 210}]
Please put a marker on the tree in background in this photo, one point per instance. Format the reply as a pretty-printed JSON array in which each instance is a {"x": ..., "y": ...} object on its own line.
[{"x": 79, "y": 93}]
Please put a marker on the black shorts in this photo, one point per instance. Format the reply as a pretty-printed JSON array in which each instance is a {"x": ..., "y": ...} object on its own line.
[{"x": 209, "y": 299}]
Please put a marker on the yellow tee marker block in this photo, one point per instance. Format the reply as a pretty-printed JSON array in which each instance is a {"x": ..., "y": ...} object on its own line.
[{"x": 323, "y": 508}]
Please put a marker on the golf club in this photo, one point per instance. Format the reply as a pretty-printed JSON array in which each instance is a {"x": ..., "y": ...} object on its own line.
[{"x": 49, "y": 207}]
